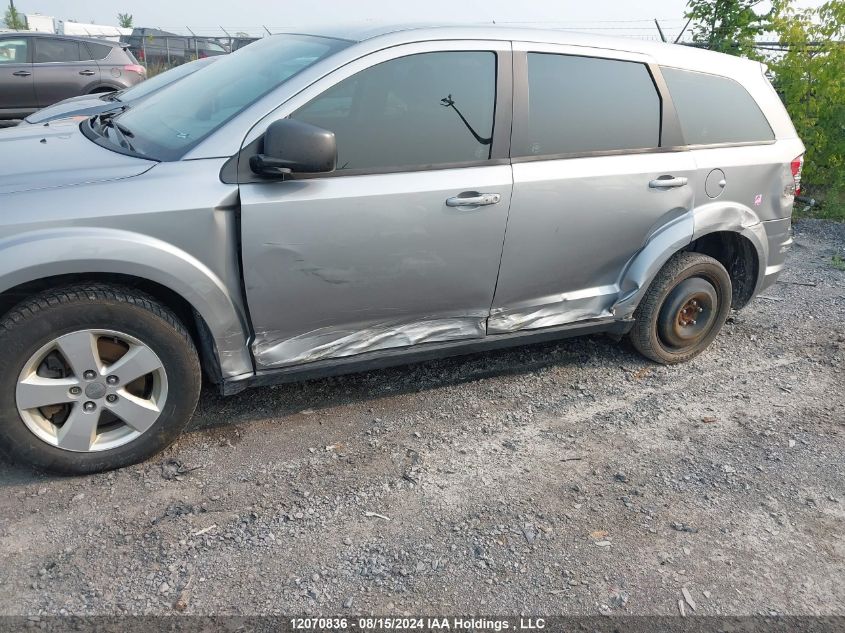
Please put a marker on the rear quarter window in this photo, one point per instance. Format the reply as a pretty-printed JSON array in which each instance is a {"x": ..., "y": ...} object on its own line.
[
  {"x": 98, "y": 51},
  {"x": 715, "y": 110}
]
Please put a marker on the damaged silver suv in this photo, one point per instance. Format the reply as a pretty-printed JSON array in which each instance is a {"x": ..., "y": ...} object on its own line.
[{"x": 313, "y": 205}]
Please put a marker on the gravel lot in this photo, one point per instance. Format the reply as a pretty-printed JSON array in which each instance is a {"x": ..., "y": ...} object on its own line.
[{"x": 567, "y": 478}]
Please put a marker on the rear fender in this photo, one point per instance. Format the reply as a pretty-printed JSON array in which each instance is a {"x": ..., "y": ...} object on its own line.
[{"x": 679, "y": 233}]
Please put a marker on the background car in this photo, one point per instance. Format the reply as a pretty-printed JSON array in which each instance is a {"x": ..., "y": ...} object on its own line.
[
  {"x": 39, "y": 69},
  {"x": 157, "y": 47},
  {"x": 89, "y": 105}
]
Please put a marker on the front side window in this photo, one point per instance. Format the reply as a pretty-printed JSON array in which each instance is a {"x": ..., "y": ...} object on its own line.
[
  {"x": 49, "y": 50},
  {"x": 168, "y": 123},
  {"x": 421, "y": 110},
  {"x": 14, "y": 51},
  {"x": 585, "y": 104},
  {"x": 715, "y": 110}
]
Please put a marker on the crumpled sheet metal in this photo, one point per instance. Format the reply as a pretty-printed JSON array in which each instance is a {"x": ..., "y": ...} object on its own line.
[
  {"x": 325, "y": 343},
  {"x": 562, "y": 309}
]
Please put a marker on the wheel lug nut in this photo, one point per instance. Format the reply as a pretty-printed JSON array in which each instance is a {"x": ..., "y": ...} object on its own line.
[
  {"x": 75, "y": 391},
  {"x": 692, "y": 322},
  {"x": 89, "y": 374},
  {"x": 112, "y": 380},
  {"x": 701, "y": 309},
  {"x": 111, "y": 398},
  {"x": 89, "y": 406}
]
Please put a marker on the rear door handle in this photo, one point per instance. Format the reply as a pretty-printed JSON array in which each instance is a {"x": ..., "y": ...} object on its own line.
[
  {"x": 22, "y": 73},
  {"x": 666, "y": 182},
  {"x": 473, "y": 199},
  {"x": 87, "y": 73}
]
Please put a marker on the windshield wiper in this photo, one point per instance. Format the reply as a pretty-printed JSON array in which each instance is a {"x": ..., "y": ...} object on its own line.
[{"x": 106, "y": 121}]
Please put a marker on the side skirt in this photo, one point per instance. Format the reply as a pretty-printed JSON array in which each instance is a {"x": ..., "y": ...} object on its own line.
[{"x": 420, "y": 353}]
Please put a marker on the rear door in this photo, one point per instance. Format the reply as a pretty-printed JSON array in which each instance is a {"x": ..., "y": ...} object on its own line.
[
  {"x": 383, "y": 253},
  {"x": 17, "y": 91},
  {"x": 62, "y": 68},
  {"x": 594, "y": 177}
]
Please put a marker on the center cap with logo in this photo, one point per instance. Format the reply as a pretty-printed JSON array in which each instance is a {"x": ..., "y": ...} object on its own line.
[{"x": 95, "y": 390}]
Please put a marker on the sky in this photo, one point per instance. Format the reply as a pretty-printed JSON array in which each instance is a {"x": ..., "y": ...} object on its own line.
[{"x": 206, "y": 17}]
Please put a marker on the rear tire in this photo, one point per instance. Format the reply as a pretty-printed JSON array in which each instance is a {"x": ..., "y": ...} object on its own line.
[
  {"x": 683, "y": 310},
  {"x": 97, "y": 377}
]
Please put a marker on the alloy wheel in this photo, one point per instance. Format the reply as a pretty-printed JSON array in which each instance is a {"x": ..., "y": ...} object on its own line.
[{"x": 91, "y": 390}]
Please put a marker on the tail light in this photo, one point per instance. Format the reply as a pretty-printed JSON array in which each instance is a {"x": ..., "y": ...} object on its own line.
[
  {"x": 137, "y": 68},
  {"x": 796, "y": 165}
]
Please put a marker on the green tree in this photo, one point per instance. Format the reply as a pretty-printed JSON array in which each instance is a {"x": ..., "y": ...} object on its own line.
[
  {"x": 727, "y": 26},
  {"x": 810, "y": 78},
  {"x": 124, "y": 20},
  {"x": 13, "y": 19}
]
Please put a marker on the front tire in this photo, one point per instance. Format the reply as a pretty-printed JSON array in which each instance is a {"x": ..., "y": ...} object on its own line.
[
  {"x": 683, "y": 310},
  {"x": 97, "y": 377}
]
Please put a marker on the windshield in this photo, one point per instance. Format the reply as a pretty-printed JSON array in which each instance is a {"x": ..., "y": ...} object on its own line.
[
  {"x": 167, "y": 124},
  {"x": 161, "y": 80}
]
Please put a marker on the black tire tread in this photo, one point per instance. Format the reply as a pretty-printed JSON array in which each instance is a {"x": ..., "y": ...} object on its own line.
[
  {"x": 641, "y": 334},
  {"x": 30, "y": 308}
]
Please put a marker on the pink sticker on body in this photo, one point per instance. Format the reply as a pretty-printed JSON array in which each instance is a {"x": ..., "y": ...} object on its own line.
[{"x": 758, "y": 199}]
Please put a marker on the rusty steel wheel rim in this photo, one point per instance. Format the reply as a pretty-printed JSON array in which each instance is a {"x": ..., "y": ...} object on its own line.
[{"x": 688, "y": 313}]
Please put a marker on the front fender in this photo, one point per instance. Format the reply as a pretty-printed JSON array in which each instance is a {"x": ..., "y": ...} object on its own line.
[
  {"x": 40, "y": 254},
  {"x": 677, "y": 234}
]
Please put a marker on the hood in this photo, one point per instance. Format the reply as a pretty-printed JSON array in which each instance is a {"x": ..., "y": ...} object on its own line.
[
  {"x": 86, "y": 105},
  {"x": 59, "y": 155}
]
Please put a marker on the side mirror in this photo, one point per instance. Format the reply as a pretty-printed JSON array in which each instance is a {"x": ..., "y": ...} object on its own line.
[{"x": 292, "y": 146}]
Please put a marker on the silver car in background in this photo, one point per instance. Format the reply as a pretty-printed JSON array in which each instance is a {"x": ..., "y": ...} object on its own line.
[{"x": 313, "y": 205}]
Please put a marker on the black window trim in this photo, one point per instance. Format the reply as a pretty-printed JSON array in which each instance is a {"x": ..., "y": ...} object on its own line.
[
  {"x": 670, "y": 137},
  {"x": 236, "y": 170}
]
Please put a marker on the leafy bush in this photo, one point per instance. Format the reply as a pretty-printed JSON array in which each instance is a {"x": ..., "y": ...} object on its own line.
[{"x": 810, "y": 77}]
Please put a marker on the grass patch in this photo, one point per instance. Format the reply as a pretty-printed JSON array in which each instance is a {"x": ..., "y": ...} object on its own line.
[
  {"x": 838, "y": 262},
  {"x": 830, "y": 205}
]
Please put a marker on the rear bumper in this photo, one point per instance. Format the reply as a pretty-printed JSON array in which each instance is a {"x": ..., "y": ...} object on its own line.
[{"x": 779, "y": 236}]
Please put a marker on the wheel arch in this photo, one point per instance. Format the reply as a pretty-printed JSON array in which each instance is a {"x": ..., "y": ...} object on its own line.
[
  {"x": 730, "y": 233},
  {"x": 46, "y": 259}
]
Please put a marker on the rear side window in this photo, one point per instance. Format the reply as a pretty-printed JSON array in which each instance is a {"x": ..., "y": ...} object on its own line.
[
  {"x": 584, "y": 104},
  {"x": 14, "y": 51},
  {"x": 48, "y": 50},
  {"x": 715, "y": 110},
  {"x": 98, "y": 51},
  {"x": 420, "y": 110}
]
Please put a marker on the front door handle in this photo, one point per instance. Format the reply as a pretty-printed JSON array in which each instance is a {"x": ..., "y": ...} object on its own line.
[
  {"x": 87, "y": 73},
  {"x": 666, "y": 182},
  {"x": 22, "y": 73},
  {"x": 473, "y": 199}
]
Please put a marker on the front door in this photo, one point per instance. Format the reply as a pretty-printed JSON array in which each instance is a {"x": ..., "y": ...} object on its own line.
[
  {"x": 17, "y": 92},
  {"x": 401, "y": 245},
  {"x": 594, "y": 178}
]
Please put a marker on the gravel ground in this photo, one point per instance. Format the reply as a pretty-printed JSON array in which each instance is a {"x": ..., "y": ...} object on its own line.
[{"x": 567, "y": 478}]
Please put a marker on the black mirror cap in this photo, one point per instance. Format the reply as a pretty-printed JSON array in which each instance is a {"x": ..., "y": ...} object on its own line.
[{"x": 291, "y": 146}]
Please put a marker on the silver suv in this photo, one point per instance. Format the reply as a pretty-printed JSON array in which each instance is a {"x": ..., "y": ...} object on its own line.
[{"x": 315, "y": 205}]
